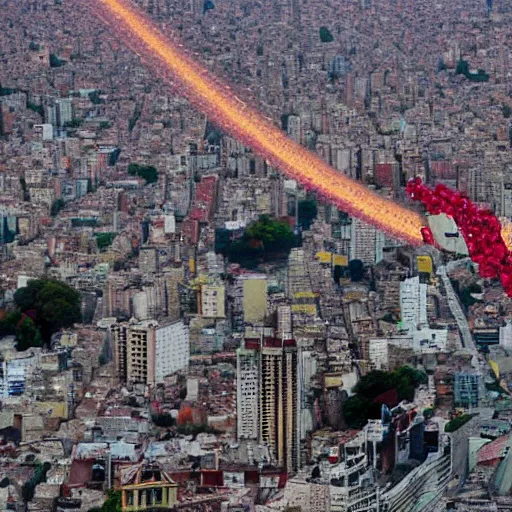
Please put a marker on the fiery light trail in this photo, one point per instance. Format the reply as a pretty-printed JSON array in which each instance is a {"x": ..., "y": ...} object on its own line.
[{"x": 224, "y": 108}]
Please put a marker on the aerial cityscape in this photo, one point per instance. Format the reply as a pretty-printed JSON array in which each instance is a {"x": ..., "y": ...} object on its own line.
[{"x": 255, "y": 256}]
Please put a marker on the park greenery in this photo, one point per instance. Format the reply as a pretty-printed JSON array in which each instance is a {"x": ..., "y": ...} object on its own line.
[
  {"x": 38, "y": 109},
  {"x": 262, "y": 240},
  {"x": 95, "y": 97},
  {"x": 362, "y": 406},
  {"x": 74, "y": 123},
  {"x": 104, "y": 240},
  {"x": 356, "y": 270},
  {"x": 43, "y": 307},
  {"x": 39, "y": 476},
  {"x": 55, "y": 62},
  {"x": 325, "y": 35},
  {"x": 146, "y": 172},
  {"x": 57, "y": 206},
  {"x": 307, "y": 213},
  {"x": 466, "y": 294},
  {"x": 463, "y": 69},
  {"x": 457, "y": 422},
  {"x": 7, "y": 91},
  {"x": 113, "y": 503}
]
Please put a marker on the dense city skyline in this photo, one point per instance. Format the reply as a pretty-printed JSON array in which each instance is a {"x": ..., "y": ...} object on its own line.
[{"x": 188, "y": 323}]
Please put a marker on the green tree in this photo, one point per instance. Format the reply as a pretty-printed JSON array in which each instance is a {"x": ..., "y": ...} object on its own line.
[
  {"x": 113, "y": 502},
  {"x": 222, "y": 241},
  {"x": 9, "y": 323},
  {"x": 38, "y": 109},
  {"x": 356, "y": 270},
  {"x": 104, "y": 240},
  {"x": 325, "y": 35},
  {"x": 59, "y": 314},
  {"x": 55, "y": 62},
  {"x": 463, "y": 69},
  {"x": 261, "y": 240},
  {"x": 163, "y": 420},
  {"x": 274, "y": 235},
  {"x": 25, "y": 298},
  {"x": 55, "y": 305},
  {"x": 28, "y": 335},
  {"x": 7, "y": 91},
  {"x": 466, "y": 294},
  {"x": 24, "y": 188},
  {"x": 57, "y": 206},
  {"x": 29, "y": 487},
  {"x": 457, "y": 422},
  {"x": 307, "y": 213},
  {"x": 74, "y": 123},
  {"x": 374, "y": 383},
  {"x": 360, "y": 407},
  {"x": 356, "y": 411},
  {"x": 95, "y": 97},
  {"x": 242, "y": 252},
  {"x": 146, "y": 172}
]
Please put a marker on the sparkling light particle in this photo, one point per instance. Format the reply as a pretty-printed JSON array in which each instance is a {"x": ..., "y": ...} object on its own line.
[{"x": 233, "y": 115}]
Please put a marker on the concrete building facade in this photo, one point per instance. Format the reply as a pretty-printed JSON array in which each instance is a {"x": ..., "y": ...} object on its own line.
[
  {"x": 413, "y": 303},
  {"x": 279, "y": 419},
  {"x": 247, "y": 391},
  {"x": 146, "y": 352}
]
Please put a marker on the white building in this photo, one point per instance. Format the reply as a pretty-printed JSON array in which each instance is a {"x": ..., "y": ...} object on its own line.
[
  {"x": 378, "y": 353},
  {"x": 413, "y": 303},
  {"x": 44, "y": 130},
  {"x": 60, "y": 113},
  {"x": 284, "y": 321},
  {"x": 172, "y": 349},
  {"x": 506, "y": 336},
  {"x": 430, "y": 341},
  {"x": 146, "y": 352},
  {"x": 366, "y": 243},
  {"x": 247, "y": 390},
  {"x": 295, "y": 128}
]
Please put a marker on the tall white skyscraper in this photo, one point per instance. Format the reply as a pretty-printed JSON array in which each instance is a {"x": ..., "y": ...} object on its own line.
[{"x": 247, "y": 390}]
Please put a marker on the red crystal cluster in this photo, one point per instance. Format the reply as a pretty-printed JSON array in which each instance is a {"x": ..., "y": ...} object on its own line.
[{"x": 479, "y": 227}]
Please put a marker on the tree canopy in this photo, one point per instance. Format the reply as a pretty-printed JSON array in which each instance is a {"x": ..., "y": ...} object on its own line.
[
  {"x": 104, "y": 240},
  {"x": 57, "y": 206},
  {"x": 55, "y": 62},
  {"x": 113, "y": 503},
  {"x": 457, "y": 422},
  {"x": 325, "y": 35},
  {"x": 307, "y": 213},
  {"x": 356, "y": 270},
  {"x": 363, "y": 405},
  {"x": 274, "y": 235},
  {"x": 146, "y": 172},
  {"x": 48, "y": 307},
  {"x": 261, "y": 240},
  {"x": 463, "y": 69}
]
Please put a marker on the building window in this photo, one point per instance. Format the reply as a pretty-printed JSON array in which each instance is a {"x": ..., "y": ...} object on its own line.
[{"x": 156, "y": 496}]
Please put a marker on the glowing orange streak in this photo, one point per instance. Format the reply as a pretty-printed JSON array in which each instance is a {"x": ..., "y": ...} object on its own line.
[{"x": 219, "y": 103}]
